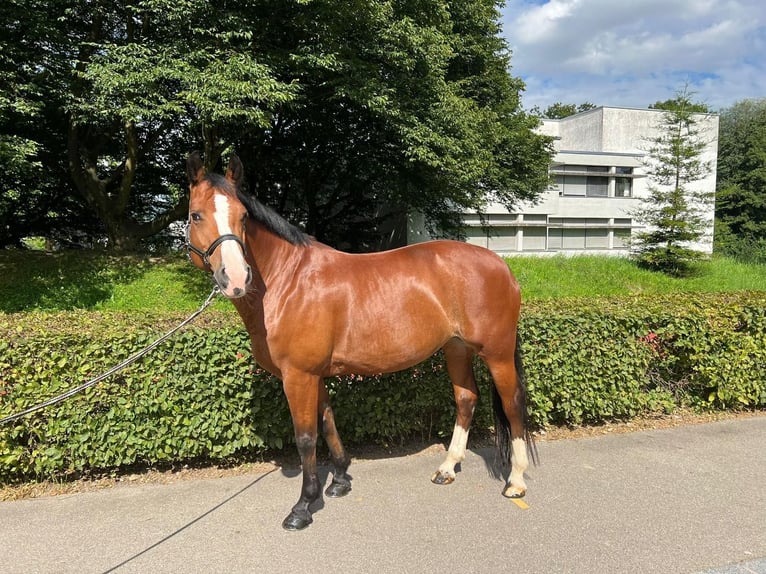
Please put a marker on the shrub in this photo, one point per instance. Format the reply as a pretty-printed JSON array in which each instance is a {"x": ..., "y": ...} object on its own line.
[
  {"x": 588, "y": 365},
  {"x": 200, "y": 396}
]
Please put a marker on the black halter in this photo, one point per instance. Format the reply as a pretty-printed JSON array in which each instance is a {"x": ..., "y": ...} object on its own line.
[{"x": 205, "y": 255}]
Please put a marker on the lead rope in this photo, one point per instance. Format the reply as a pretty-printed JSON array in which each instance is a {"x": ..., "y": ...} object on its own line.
[{"x": 130, "y": 360}]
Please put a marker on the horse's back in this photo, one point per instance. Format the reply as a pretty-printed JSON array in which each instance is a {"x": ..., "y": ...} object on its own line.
[
  {"x": 445, "y": 256},
  {"x": 467, "y": 270}
]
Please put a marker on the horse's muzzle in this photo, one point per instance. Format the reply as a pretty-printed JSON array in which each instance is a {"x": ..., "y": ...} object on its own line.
[{"x": 233, "y": 287}]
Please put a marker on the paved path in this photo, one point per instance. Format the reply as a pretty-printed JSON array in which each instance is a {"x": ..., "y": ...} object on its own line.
[{"x": 684, "y": 500}]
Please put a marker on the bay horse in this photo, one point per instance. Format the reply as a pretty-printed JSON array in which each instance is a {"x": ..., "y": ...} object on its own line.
[{"x": 314, "y": 312}]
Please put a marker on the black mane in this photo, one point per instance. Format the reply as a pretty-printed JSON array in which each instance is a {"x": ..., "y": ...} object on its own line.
[
  {"x": 264, "y": 215},
  {"x": 272, "y": 221}
]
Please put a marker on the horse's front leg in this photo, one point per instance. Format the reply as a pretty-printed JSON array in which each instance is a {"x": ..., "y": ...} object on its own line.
[{"x": 302, "y": 391}]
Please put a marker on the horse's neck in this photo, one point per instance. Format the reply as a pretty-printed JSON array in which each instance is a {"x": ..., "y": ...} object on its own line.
[{"x": 273, "y": 256}]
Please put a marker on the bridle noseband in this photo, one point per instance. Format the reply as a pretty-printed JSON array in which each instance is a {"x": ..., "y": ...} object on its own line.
[{"x": 205, "y": 255}]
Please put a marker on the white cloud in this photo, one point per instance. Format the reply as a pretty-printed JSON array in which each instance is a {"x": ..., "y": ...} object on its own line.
[{"x": 635, "y": 53}]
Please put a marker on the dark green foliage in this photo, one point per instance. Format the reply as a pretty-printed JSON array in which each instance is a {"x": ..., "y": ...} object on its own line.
[
  {"x": 681, "y": 99},
  {"x": 588, "y": 365},
  {"x": 745, "y": 248},
  {"x": 741, "y": 184},
  {"x": 626, "y": 356},
  {"x": 200, "y": 397},
  {"x": 194, "y": 399},
  {"x": 714, "y": 355},
  {"x": 559, "y": 110}
]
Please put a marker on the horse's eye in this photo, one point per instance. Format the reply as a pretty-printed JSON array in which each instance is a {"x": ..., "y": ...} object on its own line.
[{"x": 196, "y": 216}]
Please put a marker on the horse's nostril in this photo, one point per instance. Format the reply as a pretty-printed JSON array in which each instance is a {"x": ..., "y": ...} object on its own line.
[
  {"x": 221, "y": 278},
  {"x": 238, "y": 292},
  {"x": 249, "y": 275}
]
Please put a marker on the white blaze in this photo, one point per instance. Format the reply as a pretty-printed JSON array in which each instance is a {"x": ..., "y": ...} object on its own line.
[{"x": 231, "y": 254}]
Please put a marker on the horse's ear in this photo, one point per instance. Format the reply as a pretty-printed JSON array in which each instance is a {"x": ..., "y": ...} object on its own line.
[
  {"x": 195, "y": 169},
  {"x": 235, "y": 171}
]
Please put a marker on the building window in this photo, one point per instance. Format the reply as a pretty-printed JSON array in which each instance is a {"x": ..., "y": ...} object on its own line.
[
  {"x": 597, "y": 186},
  {"x": 503, "y": 239},
  {"x": 596, "y": 239},
  {"x": 477, "y": 236},
  {"x": 593, "y": 180},
  {"x": 586, "y": 234},
  {"x": 623, "y": 186},
  {"x": 572, "y": 238},
  {"x": 621, "y": 239},
  {"x": 572, "y": 184},
  {"x": 540, "y": 232},
  {"x": 555, "y": 239},
  {"x": 534, "y": 239}
]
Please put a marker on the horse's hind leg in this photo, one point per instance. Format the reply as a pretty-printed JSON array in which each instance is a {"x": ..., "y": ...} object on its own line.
[
  {"x": 510, "y": 420},
  {"x": 460, "y": 368},
  {"x": 341, "y": 481}
]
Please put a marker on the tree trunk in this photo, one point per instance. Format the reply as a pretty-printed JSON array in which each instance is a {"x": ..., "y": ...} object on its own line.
[{"x": 109, "y": 196}]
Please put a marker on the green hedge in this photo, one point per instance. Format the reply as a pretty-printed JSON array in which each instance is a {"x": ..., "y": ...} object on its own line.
[
  {"x": 592, "y": 360},
  {"x": 200, "y": 396}
]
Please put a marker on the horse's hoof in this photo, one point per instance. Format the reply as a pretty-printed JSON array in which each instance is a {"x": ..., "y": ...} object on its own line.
[
  {"x": 296, "y": 521},
  {"x": 440, "y": 477},
  {"x": 338, "y": 489},
  {"x": 514, "y": 492}
]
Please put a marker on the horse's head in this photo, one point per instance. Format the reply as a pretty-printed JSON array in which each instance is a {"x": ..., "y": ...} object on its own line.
[{"x": 217, "y": 219}]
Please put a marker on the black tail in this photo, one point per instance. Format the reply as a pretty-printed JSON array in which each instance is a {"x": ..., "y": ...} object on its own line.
[{"x": 502, "y": 424}]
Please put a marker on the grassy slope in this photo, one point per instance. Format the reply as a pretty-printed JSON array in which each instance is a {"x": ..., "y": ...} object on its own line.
[
  {"x": 592, "y": 276},
  {"x": 39, "y": 281},
  {"x": 84, "y": 280}
]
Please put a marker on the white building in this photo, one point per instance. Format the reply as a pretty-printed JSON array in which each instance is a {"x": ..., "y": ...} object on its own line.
[{"x": 599, "y": 176}]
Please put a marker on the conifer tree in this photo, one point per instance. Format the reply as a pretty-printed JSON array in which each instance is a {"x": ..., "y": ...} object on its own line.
[{"x": 674, "y": 211}]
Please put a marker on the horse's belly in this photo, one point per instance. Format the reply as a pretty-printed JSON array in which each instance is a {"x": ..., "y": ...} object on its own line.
[
  {"x": 387, "y": 349},
  {"x": 376, "y": 365}
]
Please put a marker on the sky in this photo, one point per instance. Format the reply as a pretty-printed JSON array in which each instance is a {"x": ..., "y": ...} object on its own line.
[{"x": 633, "y": 53}]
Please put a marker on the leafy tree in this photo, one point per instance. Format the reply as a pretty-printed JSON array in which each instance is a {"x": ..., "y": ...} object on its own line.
[
  {"x": 681, "y": 99},
  {"x": 741, "y": 188},
  {"x": 409, "y": 107},
  {"x": 345, "y": 114},
  {"x": 33, "y": 199},
  {"x": 16, "y": 151},
  {"x": 674, "y": 210},
  {"x": 558, "y": 110},
  {"x": 149, "y": 75},
  {"x": 109, "y": 103}
]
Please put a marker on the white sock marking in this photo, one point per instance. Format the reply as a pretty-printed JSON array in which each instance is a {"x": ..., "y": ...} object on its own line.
[
  {"x": 519, "y": 462},
  {"x": 456, "y": 451}
]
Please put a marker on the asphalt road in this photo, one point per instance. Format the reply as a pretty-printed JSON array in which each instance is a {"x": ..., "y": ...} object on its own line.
[{"x": 684, "y": 500}]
